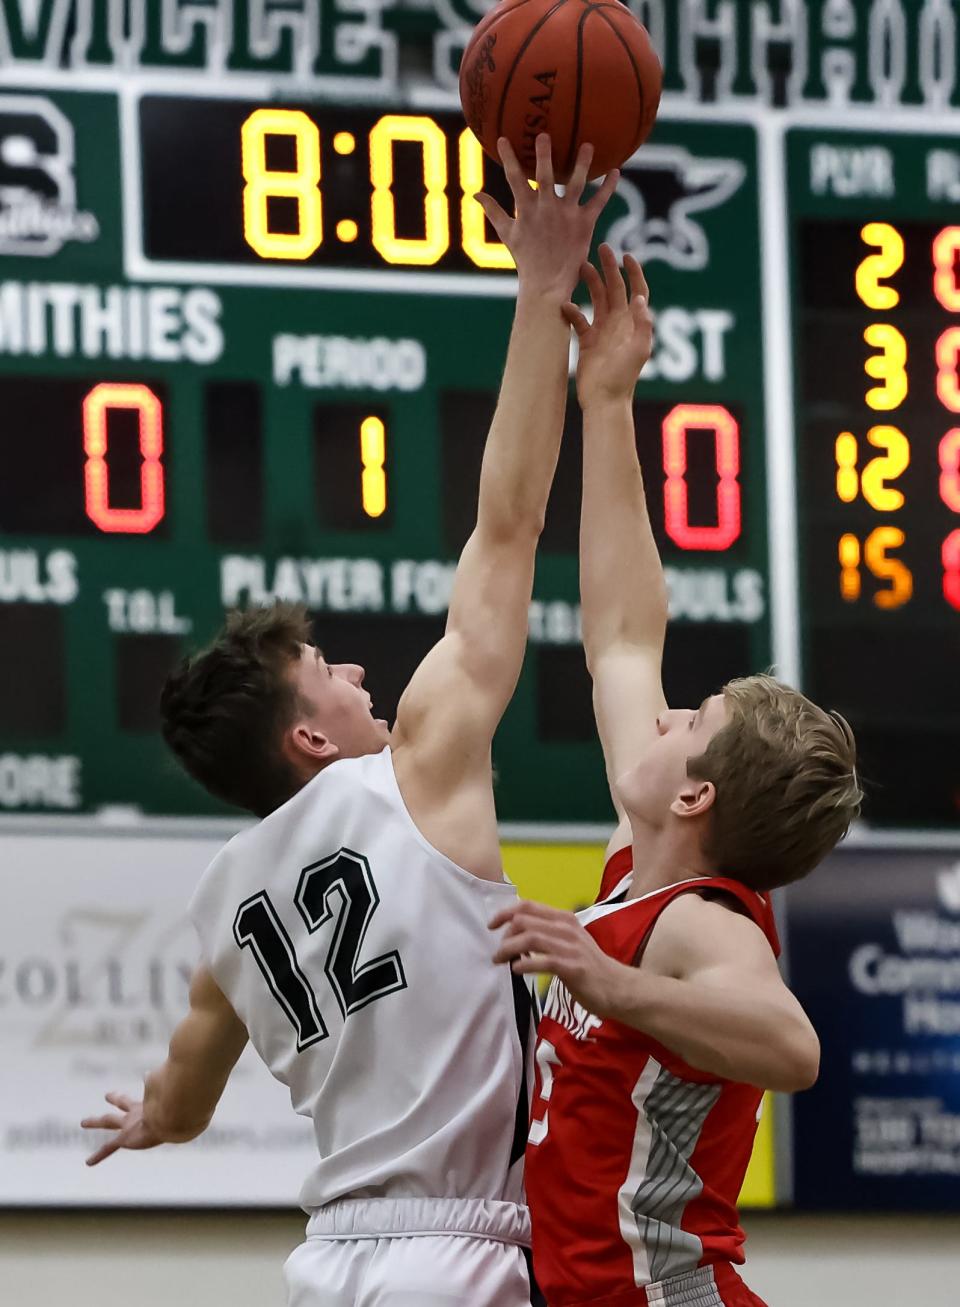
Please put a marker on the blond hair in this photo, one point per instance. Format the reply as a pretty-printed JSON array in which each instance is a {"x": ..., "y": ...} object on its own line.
[{"x": 786, "y": 780}]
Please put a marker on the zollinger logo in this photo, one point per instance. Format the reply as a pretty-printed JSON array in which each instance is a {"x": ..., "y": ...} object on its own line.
[
  {"x": 38, "y": 192},
  {"x": 661, "y": 190}
]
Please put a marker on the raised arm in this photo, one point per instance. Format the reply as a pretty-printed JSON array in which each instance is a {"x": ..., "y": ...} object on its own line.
[
  {"x": 180, "y": 1097},
  {"x": 449, "y": 712},
  {"x": 621, "y": 580}
]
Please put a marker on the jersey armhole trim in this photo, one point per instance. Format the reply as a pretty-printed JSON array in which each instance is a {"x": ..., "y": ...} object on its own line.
[{"x": 425, "y": 844}]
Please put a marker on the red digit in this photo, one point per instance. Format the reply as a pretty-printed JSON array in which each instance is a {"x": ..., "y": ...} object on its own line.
[
  {"x": 950, "y": 469},
  {"x": 950, "y": 555},
  {"x": 948, "y": 376},
  {"x": 96, "y": 407},
  {"x": 676, "y": 425},
  {"x": 946, "y": 247}
]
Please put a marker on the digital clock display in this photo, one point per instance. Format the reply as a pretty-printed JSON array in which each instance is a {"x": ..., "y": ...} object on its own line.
[
  {"x": 878, "y": 382},
  {"x": 234, "y": 182}
]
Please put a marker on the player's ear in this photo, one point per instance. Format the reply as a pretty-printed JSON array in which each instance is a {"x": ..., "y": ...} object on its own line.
[
  {"x": 303, "y": 743},
  {"x": 694, "y": 798}
]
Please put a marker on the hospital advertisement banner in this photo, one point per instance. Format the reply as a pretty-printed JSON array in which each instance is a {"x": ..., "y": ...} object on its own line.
[{"x": 873, "y": 946}]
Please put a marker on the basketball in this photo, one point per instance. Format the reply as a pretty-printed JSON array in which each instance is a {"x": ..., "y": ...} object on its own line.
[{"x": 583, "y": 72}]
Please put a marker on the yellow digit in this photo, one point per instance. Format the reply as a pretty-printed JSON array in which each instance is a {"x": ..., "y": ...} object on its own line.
[
  {"x": 888, "y": 569},
  {"x": 263, "y": 183},
  {"x": 885, "y": 264},
  {"x": 881, "y": 470},
  {"x": 373, "y": 452},
  {"x": 850, "y": 568},
  {"x": 484, "y": 253},
  {"x": 848, "y": 481},
  {"x": 889, "y": 366},
  {"x": 421, "y": 250},
  {"x": 948, "y": 381}
]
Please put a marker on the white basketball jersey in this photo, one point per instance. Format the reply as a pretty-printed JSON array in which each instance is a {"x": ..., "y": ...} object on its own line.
[{"x": 359, "y": 959}]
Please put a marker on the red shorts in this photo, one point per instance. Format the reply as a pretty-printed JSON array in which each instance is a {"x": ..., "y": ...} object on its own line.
[{"x": 709, "y": 1286}]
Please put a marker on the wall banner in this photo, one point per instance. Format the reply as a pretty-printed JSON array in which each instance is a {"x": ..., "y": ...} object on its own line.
[
  {"x": 874, "y": 956},
  {"x": 96, "y": 954}
]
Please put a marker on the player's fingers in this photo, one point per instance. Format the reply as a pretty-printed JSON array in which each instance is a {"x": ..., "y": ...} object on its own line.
[
  {"x": 513, "y": 171},
  {"x": 532, "y": 965},
  {"x": 123, "y": 1101},
  {"x": 616, "y": 289},
  {"x": 575, "y": 318},
  {"x": 500, "y": 220},
  {"x": 107, "y": 1122},
  {"x": 535, "y": 940},
  {"x": 638, "y": 282},
  {"x": 108, "y": 1150},
  {"x": 511, "y": 948},
  {"x": 578, "y": 178},
  {"x": 598, "y": 293},
  {"x": 598, "y": 200},
  {"x": 544, "y": 172},
  {"x": 504, "y": 916}
]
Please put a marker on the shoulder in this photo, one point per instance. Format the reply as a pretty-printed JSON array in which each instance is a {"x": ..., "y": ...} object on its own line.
[{"x": 700, "y": 929}]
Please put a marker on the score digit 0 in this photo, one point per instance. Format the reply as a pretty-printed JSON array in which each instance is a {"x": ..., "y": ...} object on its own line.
[{"x": 96, "y": 474}]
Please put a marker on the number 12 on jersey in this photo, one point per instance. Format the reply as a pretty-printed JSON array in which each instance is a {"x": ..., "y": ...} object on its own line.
[{"x": 339, "y": 889}]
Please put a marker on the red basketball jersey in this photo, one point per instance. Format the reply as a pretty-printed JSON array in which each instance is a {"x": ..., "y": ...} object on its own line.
[{"x": 635, "y": 1160}]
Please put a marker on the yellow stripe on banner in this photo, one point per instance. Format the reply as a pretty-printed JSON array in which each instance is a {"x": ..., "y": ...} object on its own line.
[{"x": 568, "y": 876}]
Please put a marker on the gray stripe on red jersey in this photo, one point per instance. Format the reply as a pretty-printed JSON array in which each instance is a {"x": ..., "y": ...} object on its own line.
[
  {"x": 675, "y": 1110},
  {"x": 698, "y": 1289}
]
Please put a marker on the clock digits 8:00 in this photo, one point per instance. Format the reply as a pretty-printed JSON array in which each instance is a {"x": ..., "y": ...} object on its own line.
[{"x": 302, "y": 184}]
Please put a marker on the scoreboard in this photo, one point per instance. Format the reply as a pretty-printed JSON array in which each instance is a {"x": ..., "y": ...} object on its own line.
[
  {"x": 250, "y": 349},
  {"x": 876, "y": 309},
  {"x": 250, "y": 346}
]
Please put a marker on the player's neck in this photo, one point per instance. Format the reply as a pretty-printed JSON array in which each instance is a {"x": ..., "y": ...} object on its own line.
[{"x": 664, "y": 856}]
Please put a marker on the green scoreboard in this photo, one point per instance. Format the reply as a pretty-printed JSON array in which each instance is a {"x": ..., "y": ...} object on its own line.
[
  {"x": 250, "y": 348},
  {"x": 250, "y": 345}
]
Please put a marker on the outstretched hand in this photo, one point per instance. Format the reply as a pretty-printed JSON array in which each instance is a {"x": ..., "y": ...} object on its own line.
[
  {"x": 541, "y": 938},
  {"x": 131, "y": 1132},
  {"x": 615, "y": 347},
  {"x": 549, "y": 236}
]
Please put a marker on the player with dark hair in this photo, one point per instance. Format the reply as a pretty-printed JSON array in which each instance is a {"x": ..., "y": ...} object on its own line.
[
  {"x": 667, "y": 1016},
  {"x": 345, "y": 934}
]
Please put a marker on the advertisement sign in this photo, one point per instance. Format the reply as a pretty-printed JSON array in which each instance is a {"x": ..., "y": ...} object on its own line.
[
  {"x": 873, "y": 944},
  {"x": 96, "y": 955}
]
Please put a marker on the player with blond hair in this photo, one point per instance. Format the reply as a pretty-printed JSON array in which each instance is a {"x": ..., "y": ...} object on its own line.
[{"x": 667, "y": 1017}]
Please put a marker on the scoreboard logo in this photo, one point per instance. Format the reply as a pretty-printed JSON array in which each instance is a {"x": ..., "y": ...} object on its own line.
[
  {"x": 38, "y": 191},
  {"x": 662, "y": 190}
]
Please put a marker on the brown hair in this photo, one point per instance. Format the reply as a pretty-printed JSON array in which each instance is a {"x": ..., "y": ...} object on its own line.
[
  {"x": 224, "y": 709},
  {"x": 786, "y": 779}
]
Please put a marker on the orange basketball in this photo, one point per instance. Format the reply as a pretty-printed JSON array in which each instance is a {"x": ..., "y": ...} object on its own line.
[{"x": 582, "y": 70}]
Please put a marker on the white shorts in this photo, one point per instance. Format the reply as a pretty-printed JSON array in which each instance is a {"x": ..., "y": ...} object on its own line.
[{"x": 412, "y": 1252}]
